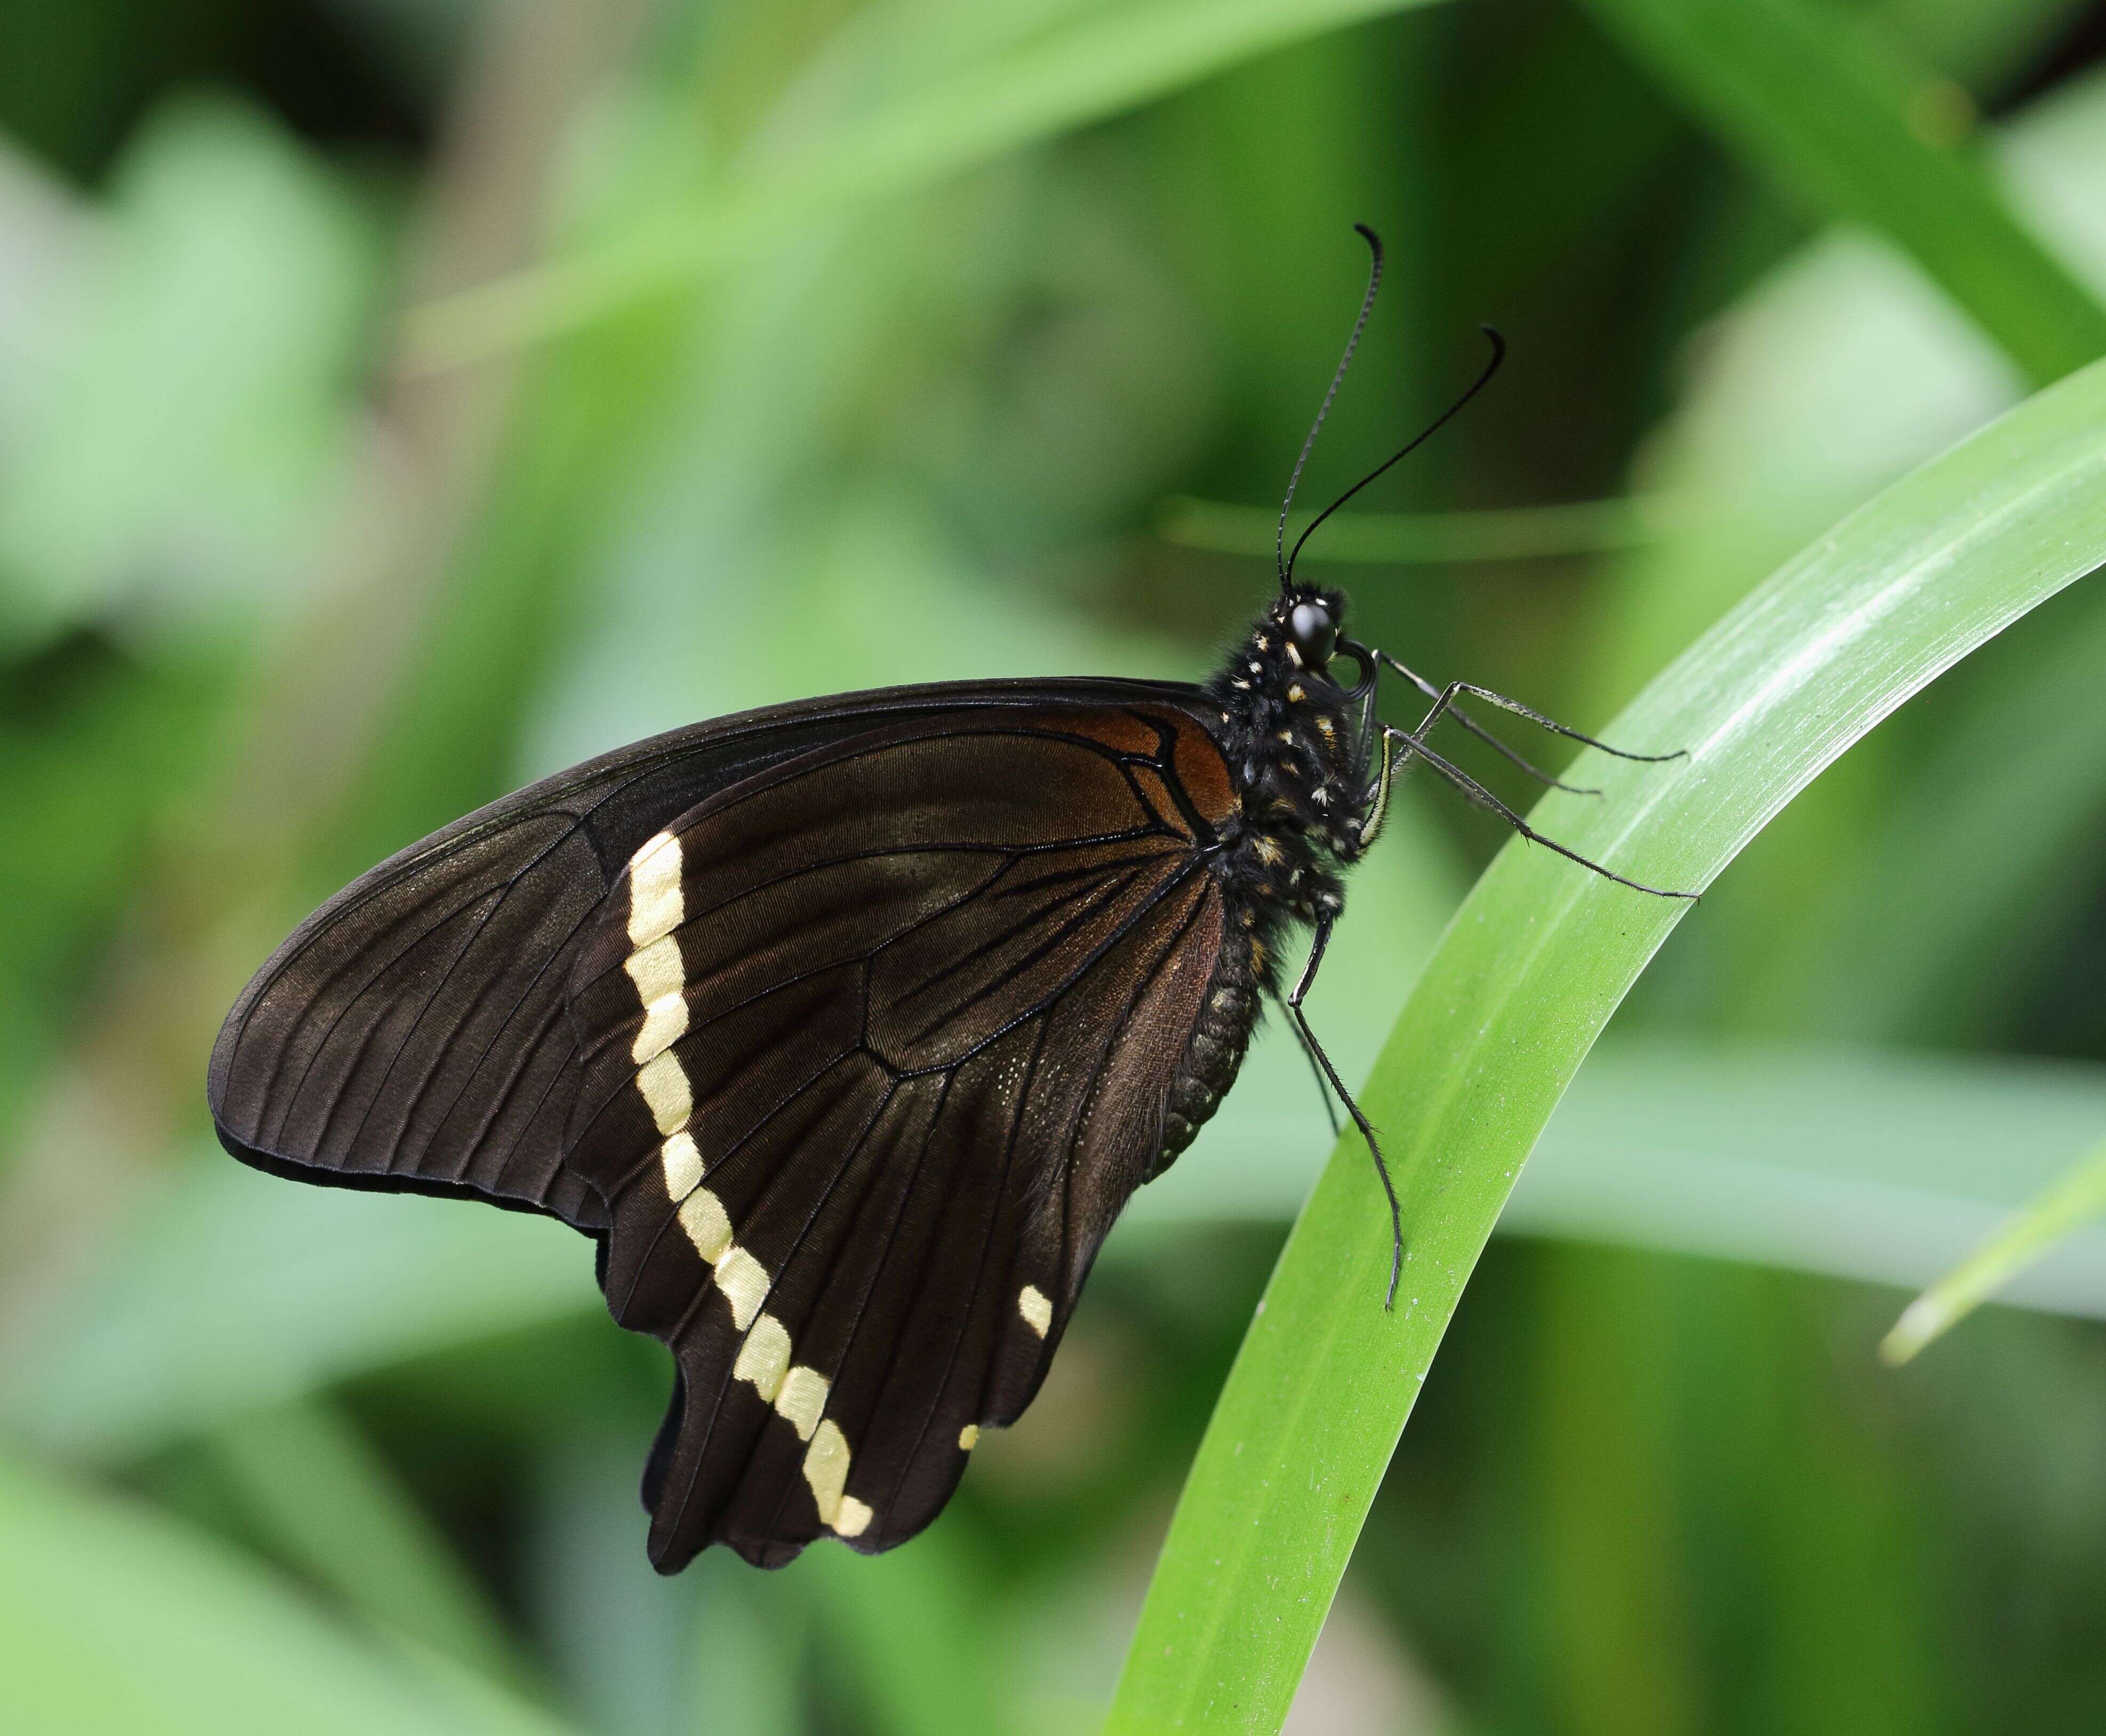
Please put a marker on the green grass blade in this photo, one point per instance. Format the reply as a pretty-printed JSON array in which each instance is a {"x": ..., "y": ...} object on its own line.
[
  {"x": 1931, "y": 933},
  {"x": 1111, "y": 59},
  {"x": 1536, "y": 960},
  {"x": 2074, "y": 1201},
  {"x": 1818, "y": 104}
]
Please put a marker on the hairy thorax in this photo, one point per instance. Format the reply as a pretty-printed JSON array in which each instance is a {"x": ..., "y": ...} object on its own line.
[{"x": 1289, "y": 738}]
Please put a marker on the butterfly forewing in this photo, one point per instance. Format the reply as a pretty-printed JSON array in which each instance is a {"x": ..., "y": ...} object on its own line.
[
  {"x": 412, "y": 1035},
  {"x": 877, "y": 1044}
]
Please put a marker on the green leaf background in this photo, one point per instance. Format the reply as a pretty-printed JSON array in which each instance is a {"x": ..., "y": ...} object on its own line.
[{"x": 398, "y": 402}]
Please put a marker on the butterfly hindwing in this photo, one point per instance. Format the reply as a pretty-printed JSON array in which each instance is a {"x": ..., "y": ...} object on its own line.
[
  {"x": 876, "y": 1046},
  {"x": 413, "y": 1033}
]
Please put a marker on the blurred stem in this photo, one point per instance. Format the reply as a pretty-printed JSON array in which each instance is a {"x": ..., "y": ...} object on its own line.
[
  {"x": 1535, "y": 962},
  {"x": 2074, "y": 1199},
  {"x": 1816, "y": 102},
  {"x": 323, "y": 703},
  {"x": 1433, "y": 539},
  {"x": 136, "y": 1077}
]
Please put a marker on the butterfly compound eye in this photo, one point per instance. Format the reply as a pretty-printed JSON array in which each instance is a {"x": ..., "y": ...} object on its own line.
[{"x": 1315, "y": 635}]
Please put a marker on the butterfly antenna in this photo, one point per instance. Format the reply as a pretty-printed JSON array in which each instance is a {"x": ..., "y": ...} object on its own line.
[
  {"x": 1484, "y": 380},
  {"x": 1280, "y": 557}
]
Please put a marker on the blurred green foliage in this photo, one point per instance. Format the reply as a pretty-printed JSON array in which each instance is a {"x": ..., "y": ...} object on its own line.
[{"x": 906, "y": 321}]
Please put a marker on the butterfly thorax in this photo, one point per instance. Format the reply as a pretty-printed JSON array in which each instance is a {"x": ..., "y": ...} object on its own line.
[{"x": 1287, "y": 730}]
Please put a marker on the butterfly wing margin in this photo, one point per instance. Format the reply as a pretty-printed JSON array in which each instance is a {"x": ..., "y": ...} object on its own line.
[
  {"x": 877, "y": 1047},
  {"x": 411, "y": 1035}
]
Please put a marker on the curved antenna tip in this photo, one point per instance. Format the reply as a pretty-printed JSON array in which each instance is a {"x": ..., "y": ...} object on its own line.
[
  {"x": 1483, "y": 379},
  {"x": 1281, "y": 559}
]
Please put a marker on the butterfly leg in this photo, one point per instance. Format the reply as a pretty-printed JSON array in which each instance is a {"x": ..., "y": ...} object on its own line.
[
  {"x": 1316, "y": 1071},
  {"x": 1484, "y": 798},
  {"x": 1444, "y": 703},
  {"x": 1345, "y": 1097},
  {"x": 1376, "y": 800}
]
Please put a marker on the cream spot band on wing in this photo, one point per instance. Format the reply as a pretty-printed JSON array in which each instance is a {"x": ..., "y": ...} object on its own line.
[
  {"x": 798, "y": 1393},
  {"x": 764, "y": 1359},
  {"x": 664, "y": 1082},
  {"x": 665, "y": 1022},
  {"x": 702, "y": 1217},
  {"x": 826, "y": 1469},
  {"x": 683, "y": 1164},
  {"x": 654, "y": 889},
  {"x": 744, "y": 1281},
  {"x": 803, "y": 1399},
  {"x": 657, "y": 970}
]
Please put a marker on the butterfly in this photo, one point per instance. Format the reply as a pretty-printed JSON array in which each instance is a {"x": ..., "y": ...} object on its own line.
[{"x": 847, "y": 1028}]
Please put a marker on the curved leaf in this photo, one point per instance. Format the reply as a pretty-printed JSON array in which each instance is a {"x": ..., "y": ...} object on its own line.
[
  {"x": 1534, "y": 964},
  {"x": 2074, "y": 1199}
]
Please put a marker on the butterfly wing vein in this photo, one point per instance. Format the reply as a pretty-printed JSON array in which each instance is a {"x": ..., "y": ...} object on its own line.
[
  {"x": 931, "y": 1013},
  {"x": 925, "y": 964}
]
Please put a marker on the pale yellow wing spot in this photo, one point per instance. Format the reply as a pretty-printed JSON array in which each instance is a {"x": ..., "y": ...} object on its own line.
[
  {"x": 803, "y": 1399},
  {"x": 681, "y": 1162},
  {"x": 665, "y": 1022},
  {"x": 764, "y": 1357},
  {"x": 744, "y": 1282},
  {"x": 664, "y": 1084},
  {"x": 702, "y": 1217},
  {"x": 654, "y": 889},
  {"x": 827, "y": 1468},
  {"x": 657, "y": 970},
  {"x": 1038, "y": 1311}
]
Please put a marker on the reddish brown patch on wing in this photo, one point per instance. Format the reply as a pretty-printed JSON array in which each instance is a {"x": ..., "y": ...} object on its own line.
[
  {"x": 1124, "y": 731},
  {"x": 1202, "y": 771}
]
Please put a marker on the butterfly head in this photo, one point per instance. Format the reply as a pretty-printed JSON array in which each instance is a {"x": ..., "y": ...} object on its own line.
[
  {"x": 1292, "y": 697},
  {"x": 1305, "y": 634},
  {"x": 1312, "y": 632}
]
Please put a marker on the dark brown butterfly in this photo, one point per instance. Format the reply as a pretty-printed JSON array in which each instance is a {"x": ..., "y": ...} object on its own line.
[{"x": 846, "y": 1028}]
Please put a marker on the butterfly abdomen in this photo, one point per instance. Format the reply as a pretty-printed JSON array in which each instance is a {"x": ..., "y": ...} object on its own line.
[{"x": 1216, "y": 1052}]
